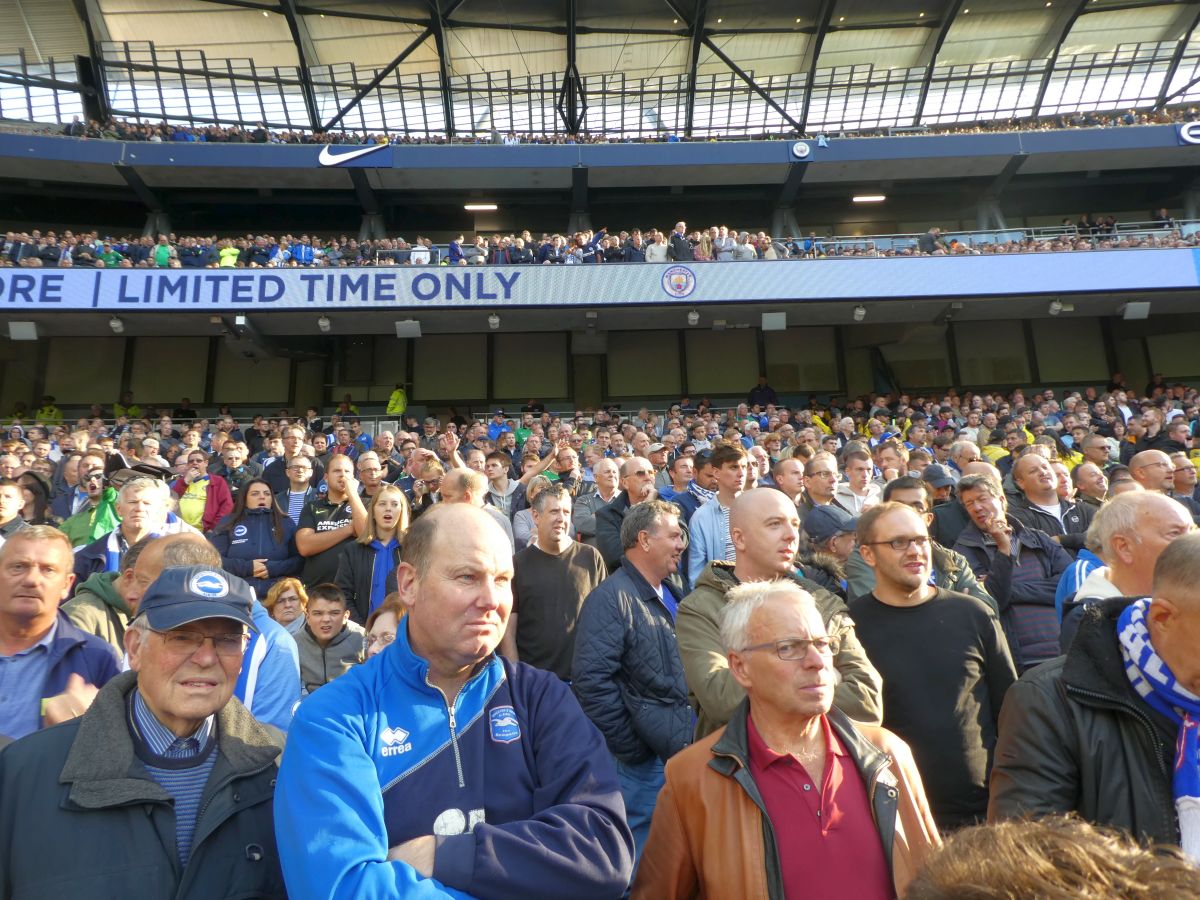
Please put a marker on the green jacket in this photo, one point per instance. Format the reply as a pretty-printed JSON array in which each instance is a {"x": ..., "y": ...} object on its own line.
[
  {"x": 950, "y": 571},
  {"x": 93, "y": 521},
  {"x": 712, "y": 690},
  {"x": 99, "y": 609},
  {"x": 80, "y": 788}
]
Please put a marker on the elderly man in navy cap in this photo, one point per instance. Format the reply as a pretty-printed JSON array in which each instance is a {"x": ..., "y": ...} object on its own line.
[{"x": 165, "y": 784}]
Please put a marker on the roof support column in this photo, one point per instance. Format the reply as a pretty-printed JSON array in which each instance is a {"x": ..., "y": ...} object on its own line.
[
  {"x": 1052, "y": 43},
  {"x": 96, "y": 32},
  {"x": 437, "y": 24},
  {"x": 938, "y": 38},
  {"x": 694, "y": 57},
  {"x": 581, "y": 216},
  {"x": 305, "y": 51},
  {"x": 812, "y": 54},
  {"x": 1163, "y": 97}
]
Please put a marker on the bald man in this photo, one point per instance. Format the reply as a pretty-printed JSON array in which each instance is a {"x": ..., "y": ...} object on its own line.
[
  {"x": 1154, "y": 471},
  {"x": 269, "y": 684},
  {"x": 1040, "y": 506},
  {"x": 1130, "y": 533},
  {"x": 765, "y": 528},
  {"x": 470, "y": 487}
]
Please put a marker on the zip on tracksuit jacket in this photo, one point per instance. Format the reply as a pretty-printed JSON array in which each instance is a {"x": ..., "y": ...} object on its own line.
[{"x": 509, "y": 775}]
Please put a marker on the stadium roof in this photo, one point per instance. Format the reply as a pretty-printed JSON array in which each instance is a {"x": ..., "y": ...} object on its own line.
[
  {"x": 637, "y": 37},
  {"x": 754, "y": 40}
]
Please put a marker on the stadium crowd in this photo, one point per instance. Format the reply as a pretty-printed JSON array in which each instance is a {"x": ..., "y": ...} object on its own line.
[
  {"x": 760, "y": 650},
  {"x": 120, "y": 129},
  {"x": 49, "y": 249}
]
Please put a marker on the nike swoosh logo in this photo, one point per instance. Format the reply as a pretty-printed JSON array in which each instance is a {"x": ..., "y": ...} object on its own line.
[{"x": 329, "y": 158}]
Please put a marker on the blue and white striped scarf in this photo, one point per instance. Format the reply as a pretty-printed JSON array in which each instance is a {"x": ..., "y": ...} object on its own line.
[{"x": 1154, "y": 682}]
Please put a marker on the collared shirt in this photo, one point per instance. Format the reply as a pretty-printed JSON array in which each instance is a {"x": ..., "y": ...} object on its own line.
[
  {"x": 22, "y": 676},
  {"x": 826, "y": 837},
  {"x": 179, "y": 765},
  {"x": 730, "y": 552}
]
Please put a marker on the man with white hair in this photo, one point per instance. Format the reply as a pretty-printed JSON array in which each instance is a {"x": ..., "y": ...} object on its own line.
[
  {"x": 750, "y": 809},
  {"x": 144, "y": 509},
  {"x": 1129, "y": 532}
]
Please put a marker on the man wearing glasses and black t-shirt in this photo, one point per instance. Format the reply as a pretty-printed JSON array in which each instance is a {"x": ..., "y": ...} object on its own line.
[{"x": 944, "y": 661}]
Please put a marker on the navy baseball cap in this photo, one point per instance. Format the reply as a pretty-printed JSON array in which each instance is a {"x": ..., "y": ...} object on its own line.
[
  {"x": 823, "y": 522},
  {"x": 938, "y": 476},
  {"x": 185, "y": 594}
]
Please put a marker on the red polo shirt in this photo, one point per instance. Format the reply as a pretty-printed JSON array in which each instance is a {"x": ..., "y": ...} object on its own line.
[{"x": 828, "y": 844}]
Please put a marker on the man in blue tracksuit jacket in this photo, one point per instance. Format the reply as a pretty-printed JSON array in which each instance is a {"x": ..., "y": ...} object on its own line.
[{"x": 439, "y": 769}]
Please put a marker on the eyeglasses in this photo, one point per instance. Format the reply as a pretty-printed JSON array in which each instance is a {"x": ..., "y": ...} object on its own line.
[
  {"x": 797, "y": 648},
  {"x": 186, "y": 643},
  {"x": 91, "y": 476},
  {"x": 299, "y": 468},
  {"x": 383, "y": 640},
  {"x": 822, "y": 475},
  {"x": 903, "y": 543}
]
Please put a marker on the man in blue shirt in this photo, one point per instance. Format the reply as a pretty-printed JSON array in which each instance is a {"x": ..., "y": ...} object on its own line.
[
  {"x": 42, "y": 655},
  {"x": 439, "y": 769}
]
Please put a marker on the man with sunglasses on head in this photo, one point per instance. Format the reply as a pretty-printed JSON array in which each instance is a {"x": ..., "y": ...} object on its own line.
[
  {"x": 78, "y": 528},
  {"x": 943, "y": 658},
  {"x": 166, "y": 782}
]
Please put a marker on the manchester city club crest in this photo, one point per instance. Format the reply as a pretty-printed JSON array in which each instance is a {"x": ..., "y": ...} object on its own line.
[{"x": 679, "y": 281}]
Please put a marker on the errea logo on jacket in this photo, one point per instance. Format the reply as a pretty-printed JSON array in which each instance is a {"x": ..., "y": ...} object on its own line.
[{"x": 394, "y": 741}]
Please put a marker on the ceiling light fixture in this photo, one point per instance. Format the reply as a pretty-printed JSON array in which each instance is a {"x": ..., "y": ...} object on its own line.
[
  {"x": 869, "y": 198},
  {"x": 693, "y": 317},
  {"x": 480, "y": 207},
  {"x": 493, "y": 321},
  {"x": 324, "y": 324},
  {"x": 860, "y": 313},
  {"x": 117, "y": 326},
  {"x": 1055, "y": 307}
]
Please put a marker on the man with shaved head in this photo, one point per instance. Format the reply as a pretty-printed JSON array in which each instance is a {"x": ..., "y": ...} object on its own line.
[
  {"x": 1154, "y": 471},
  {"x": 765, "y": 528},
  {"x": 269, "y": 684},
  {"x": 637, "y": 486},
  {"x": 1039, "y": 505}
]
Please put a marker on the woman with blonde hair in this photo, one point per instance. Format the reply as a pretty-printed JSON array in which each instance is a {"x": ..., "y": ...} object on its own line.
[
  {"x": 287, "y": 602},
  {"x": 366, "y": 571}
]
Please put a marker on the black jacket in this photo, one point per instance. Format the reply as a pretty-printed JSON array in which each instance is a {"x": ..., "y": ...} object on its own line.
[
  {"x": 1072, "y": 529},
  {"x": 608, "y": 530},
  {"x": 355, "y": 568},
  {"x": 627, "y": 672},
  {"x": 1076, "y": 737},
  {"x": 949, "y": 519},
  {"x": 680, "y": 248},
  {"x": 83, "y": 779}
]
